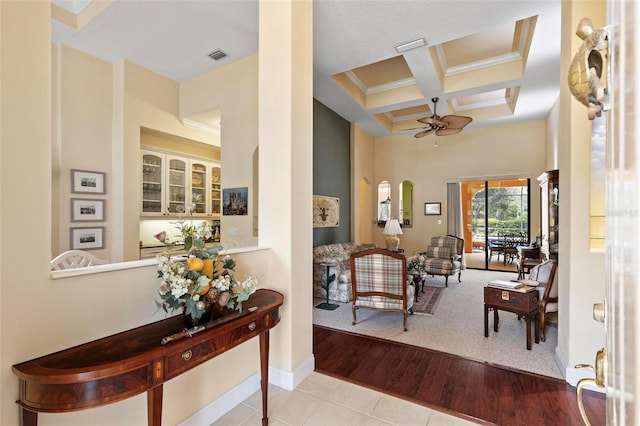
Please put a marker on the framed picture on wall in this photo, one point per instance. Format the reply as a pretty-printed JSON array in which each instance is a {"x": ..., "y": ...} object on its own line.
[
  {"x": 326, "y": 212},
  {"x": 234, "y": 201},
  {"x": 84, "y": 181},
  {"x": 87, "y": 238},
  {"x": 432, "y": 209},
  {"x": 87, "y": 210}
]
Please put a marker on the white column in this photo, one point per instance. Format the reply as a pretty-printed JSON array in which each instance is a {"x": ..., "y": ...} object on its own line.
[{"x": 285, "y": 170}]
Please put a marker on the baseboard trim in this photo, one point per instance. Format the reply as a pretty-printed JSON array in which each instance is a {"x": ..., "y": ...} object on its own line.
[
  {"x": 225, "y": 403},
  {"x": 574, "y": 375}
]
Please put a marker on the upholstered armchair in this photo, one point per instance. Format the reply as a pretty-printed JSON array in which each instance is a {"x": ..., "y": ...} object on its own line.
[
  {"x": 444, "y": 257},
  {"x": 545, "y": 276},
  {"x": 379, "y": 281}
]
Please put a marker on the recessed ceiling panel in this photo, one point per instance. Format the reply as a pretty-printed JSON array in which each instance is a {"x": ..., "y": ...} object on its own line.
[
  {"x": 478, "y": 47},
  {"x": 383, "y": 72},
  {"x": 484, "y": 58}
]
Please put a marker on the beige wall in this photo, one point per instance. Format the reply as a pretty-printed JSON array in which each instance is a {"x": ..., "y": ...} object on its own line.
[
  {"x": 148, "y": 101},
  {"x": 99, "y": 111},
  {"x": 233, "y": 89},
  {"x": 364, "y": 185},
  {"x": 581, "y": 273},
  {"x": 39, "y": 315},
  {"x": 82, "y": 116},
  {"x": 489, "y": 153},
  {"x": 286, "y": 166}
]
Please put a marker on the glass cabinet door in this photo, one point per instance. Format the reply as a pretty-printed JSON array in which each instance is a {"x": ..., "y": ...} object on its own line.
[
  {"x": 199, "y": 180},
  {"x": 152, "y": 183},
  {"x": 549, "y": 208},
  {"x": 216, "y": 191},
  {"x": 177, "y": 185}
]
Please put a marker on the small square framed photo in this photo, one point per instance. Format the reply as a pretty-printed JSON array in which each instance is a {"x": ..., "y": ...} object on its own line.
[
  {"x": 432, "y": 209},
  {"x": 87, "y": 182},
  {"x": 87, "y": 238},
  {"x": 87, "y": 210}
]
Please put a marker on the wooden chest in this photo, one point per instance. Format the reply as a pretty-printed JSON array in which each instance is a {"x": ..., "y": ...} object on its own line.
[{"x": 511, "y": 300}]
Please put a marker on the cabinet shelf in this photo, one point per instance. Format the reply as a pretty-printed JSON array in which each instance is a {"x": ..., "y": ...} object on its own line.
[{"x": 174, "y": 185}]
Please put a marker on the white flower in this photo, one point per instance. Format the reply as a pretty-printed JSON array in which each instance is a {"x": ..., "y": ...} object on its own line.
[
  {"x": 250, "y": 284},
  {"x": 223, "y": 283}
]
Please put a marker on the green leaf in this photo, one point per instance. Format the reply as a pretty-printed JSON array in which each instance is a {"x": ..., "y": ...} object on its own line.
[{"x": 188, "y": 242}]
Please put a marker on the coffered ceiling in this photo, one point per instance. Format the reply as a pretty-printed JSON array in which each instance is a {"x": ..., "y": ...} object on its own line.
[{"x": 376, "y": 62}]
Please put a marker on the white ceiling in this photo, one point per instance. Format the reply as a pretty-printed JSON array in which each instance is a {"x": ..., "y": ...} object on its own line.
[{"x": 174, "y": 37}]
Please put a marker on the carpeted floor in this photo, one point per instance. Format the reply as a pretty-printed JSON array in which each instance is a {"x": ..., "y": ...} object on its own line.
[{"x": 457, "y": 327}]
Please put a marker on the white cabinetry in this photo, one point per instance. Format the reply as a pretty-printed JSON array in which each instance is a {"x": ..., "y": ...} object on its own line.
[
  {"x": 174, "y": 185},
  {"x": 216, "y": 191}
]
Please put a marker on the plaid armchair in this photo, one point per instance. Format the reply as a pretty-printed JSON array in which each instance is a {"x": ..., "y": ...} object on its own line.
[
  {"x": 379, "y": 281},
  {"x": 444, "y": 257}
]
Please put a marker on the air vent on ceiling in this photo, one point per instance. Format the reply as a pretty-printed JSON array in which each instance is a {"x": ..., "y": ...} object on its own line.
[{"x": 217, "y": 55}]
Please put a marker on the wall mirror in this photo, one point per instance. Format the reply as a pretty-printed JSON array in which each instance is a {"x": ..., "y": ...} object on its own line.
[
  {"x": 384, "y": 202},
  {"x": 405, "y": 204}
]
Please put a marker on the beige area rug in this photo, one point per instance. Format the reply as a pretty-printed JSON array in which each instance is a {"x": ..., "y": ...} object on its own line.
[
  {"x": 427, "y": 301},
  {"x": 457, "y": 327}
]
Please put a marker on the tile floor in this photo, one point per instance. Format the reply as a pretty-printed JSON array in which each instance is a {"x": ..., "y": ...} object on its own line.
[{"x": 325, "y": 401}]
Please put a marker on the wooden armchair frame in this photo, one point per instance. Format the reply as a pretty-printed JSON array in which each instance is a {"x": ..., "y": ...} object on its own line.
[
  {"x": 545, "y": 274},
  {"x": 379, "y": 281}
]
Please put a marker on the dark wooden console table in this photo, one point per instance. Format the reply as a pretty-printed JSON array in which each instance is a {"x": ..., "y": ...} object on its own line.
[
  {"x": 524, "y": 304},
  {"x": 126, "y": 364}
]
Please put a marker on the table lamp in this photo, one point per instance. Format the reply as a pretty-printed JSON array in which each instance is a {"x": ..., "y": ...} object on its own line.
[{"x": 392, "y": 229}]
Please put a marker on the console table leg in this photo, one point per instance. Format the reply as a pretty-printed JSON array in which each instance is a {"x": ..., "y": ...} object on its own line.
[
  {"x": 154, "y": 406},
  {"x": 264, "y": 374},
  {"x": 486, "y": 320},
  {"x": 28, "y": 418},
  {"x": 529, "y": 331}
]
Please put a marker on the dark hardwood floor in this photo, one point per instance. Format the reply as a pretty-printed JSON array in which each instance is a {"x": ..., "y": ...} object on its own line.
[{"x": 474, "y": 390}]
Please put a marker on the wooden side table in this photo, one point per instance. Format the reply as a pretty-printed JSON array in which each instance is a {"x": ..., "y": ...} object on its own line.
[
  {"x": 525, "y": 304},
  {"x": 126, "y": 364},
  {"x": 418, "y": 278}
]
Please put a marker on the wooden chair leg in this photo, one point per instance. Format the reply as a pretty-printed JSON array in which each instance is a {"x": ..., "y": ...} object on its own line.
[
  {"x": 446, "y": 280},
  {"x": 543, "y": 337},
  {"x": 353, "y": 309}
]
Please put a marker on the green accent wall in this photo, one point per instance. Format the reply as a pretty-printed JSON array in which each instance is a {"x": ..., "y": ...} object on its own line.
[{"x": 331, "y": 169}]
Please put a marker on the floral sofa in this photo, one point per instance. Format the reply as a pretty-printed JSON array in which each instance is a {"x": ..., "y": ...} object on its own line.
[{"x": 336, "y": 255}]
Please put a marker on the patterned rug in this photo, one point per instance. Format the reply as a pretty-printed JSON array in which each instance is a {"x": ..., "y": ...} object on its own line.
[{"x": 428, "y": 301}]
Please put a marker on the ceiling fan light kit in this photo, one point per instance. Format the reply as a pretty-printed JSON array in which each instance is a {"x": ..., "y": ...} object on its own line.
[{"x": 442, "y": 126}]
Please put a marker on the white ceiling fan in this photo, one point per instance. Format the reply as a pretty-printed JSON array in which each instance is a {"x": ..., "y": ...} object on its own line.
[{"x": 442, "y": 126}]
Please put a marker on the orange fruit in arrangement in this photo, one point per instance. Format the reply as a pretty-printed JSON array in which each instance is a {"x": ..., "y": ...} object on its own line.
[
  {"x": 195, "y": 263},
  {"x": 204, "y": 290},
  {"x": 208, "y": 268}
]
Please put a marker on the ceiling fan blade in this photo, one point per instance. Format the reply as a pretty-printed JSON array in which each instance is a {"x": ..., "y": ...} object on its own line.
[
  {"x": 423, "y": 133},
  {"x": 447, "y": 131},
  {"x": 432, "y": 121},
  {"x": 415, "y": 128},
  {"x": 456, "y": 121}
]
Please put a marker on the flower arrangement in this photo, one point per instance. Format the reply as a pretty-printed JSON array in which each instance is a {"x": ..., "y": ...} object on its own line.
[
  {"x": 202, "y": 279},
  {"x": 417, "y": 263}
]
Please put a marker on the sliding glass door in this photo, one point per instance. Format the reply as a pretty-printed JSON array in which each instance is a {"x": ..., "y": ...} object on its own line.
[{"x": 496, "y": 221}]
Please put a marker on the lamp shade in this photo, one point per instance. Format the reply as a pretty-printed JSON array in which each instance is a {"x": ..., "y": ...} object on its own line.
[{"x": 392, "y": 227}]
